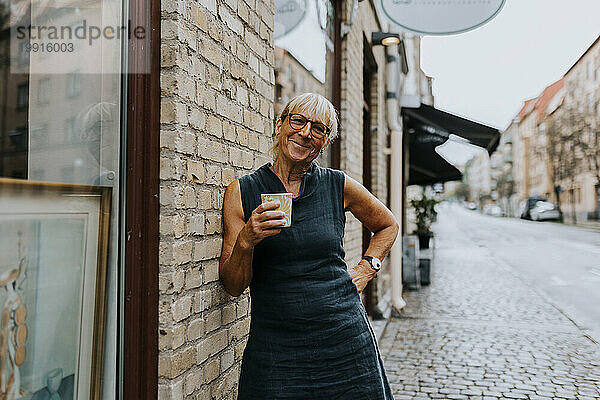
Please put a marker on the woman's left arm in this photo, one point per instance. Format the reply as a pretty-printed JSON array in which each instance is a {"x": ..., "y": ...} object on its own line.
[{"x": 377, "y": 218}]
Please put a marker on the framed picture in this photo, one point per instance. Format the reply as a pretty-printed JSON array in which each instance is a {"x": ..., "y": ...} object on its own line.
[{"x": 53, "y": 256}]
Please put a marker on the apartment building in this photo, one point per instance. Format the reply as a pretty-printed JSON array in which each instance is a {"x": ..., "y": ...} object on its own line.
[{"x": 578, "y": 119}]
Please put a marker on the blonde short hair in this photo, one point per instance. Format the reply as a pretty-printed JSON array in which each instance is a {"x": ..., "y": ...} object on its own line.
[{"x": 312, "y": 106}]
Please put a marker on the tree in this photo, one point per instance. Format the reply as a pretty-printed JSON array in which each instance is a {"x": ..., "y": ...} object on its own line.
[
  {"x": 573, "y": 144},
  {"x": 559, "y": 160}
]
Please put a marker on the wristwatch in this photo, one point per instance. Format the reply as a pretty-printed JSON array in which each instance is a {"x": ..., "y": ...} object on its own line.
[{"x": 374, "y": 262}]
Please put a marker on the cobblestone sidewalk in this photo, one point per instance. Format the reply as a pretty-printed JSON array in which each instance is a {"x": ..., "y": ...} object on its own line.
[{"x": 480, "y": 332}]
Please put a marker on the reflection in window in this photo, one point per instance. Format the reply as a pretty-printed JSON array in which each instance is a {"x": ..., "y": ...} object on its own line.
[
  {"x": 22, "y": 96},
  {"x": 14, "y": 104},
  {"x": 18, "y": 139},
  {"x": 74, "y": 84},
  {"x": 60, "y": 122},
  {"x": 37, "y": 175},
  {"x": 24, "y": 53},
  {"x": 299, "y": 84},
  {"x": 39, "y": 135},
  {"x": 43, "y": 91},
  {"x": 312, "y": 38},
  {"x": 72, "y": 135},
  {"x": 67, "y": 174}
]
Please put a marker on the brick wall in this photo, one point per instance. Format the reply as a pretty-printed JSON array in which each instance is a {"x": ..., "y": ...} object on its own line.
[{"x": 216, "y": 111}]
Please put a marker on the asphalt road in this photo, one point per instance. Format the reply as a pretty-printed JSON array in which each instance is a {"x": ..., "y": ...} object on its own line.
[{"x": 561, "y": 262}]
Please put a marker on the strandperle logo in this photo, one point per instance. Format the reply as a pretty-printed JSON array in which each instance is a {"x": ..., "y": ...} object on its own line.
[{"x": 84, "y": 31}]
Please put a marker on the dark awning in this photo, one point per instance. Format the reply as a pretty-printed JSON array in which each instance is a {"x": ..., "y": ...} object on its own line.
[
  {"x": 427, "y": 128},
  {"x": 427, "y": 166},
  {"x": 443, "y": 123}
]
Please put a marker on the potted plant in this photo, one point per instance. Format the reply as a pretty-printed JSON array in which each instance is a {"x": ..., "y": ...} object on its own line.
[{"x": 425, "y": 215}]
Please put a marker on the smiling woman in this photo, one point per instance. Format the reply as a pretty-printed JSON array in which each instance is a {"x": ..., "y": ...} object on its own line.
[
  {"x": 307, "y": 315},
  {"x": 314, "y": 108}
]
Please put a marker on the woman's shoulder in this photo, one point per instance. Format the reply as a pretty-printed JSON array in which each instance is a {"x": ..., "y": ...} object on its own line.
[
  {"x": 330, "y": 173},
  {"x": 254, "y": 176},
  {"x": 256, "y": 173}
]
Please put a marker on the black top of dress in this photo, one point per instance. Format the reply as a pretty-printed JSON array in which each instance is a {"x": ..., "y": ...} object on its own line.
[{"x": 309, "y": 333}]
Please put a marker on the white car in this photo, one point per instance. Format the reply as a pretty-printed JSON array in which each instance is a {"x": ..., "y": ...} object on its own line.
[
  {"x": 472, "y": 206},
  {"x": 544, "y": 210}
]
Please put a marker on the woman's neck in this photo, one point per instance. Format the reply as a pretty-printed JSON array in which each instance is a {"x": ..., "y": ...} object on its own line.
[{"x": 289, "y": 173}]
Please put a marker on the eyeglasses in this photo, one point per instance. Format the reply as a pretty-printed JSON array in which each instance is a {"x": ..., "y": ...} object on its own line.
[{"x": 318, "y": 130}]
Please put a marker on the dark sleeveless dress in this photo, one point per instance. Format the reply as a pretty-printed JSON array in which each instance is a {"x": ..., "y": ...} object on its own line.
[{"x": 309, "y": 333}]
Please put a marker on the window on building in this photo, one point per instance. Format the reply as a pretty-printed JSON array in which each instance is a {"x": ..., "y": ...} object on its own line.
[
  {"x": 288, "y": 72},
  {"x": 18, "y": 139},
  {"x": 34, "y": 93},
  {"x": 571, "y": 195},
  {"x": 22, "y": 96},
  {"x": 43, "y": 91},
  {"x": 72, "y": 133},
  {"x": 300, "y": 83},
  {"x": 24, "y": 53},
  {"x": 74, "y": 84},
  {"x": 39, "y": 137}
]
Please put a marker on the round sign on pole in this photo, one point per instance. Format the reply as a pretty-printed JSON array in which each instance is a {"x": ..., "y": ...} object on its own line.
[
  {"x": 441, "y": 17},
  {"x": 288, "y": 14}
]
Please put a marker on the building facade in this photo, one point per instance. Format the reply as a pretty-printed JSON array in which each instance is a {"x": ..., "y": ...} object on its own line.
[
  {"x": 479, "y": 178},
  {"x": 555, "y": 149},
  {"x": 502, "y": 173},
  {"x": 577, "y": 120}
]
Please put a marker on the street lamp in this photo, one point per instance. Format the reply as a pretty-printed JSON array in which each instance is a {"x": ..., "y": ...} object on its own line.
[
  {"x": 385, "y": 39},
  {"x": 388, "y": 40}
]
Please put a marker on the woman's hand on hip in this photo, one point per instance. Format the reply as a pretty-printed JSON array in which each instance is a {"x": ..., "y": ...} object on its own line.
[
  {"x": 265, "y": 221},
  {"x": 362, "y": 274}
]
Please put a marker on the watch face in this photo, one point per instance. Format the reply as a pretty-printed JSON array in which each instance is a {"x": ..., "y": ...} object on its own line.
[{"x": 376, "y": 264}]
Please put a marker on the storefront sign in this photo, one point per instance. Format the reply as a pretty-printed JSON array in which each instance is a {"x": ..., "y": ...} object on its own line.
[
  {"x": 288, "y": 14},
  {"x": 445, "y": 17}
]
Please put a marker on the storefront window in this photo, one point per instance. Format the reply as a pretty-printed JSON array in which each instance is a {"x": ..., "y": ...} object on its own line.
[
  {"x": 60, "y": 123},
  {"x": 304, "y": 35}
]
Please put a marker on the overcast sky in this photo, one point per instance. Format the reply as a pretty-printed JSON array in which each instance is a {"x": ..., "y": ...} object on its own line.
[{"x": 487, "y": 73}]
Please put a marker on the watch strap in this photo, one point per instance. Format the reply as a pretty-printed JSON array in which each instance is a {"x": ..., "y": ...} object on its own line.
[{"x": 369, "y": 259}]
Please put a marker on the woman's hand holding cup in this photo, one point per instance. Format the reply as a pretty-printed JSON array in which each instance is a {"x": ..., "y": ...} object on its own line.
[{"x": 265, "y": 221}]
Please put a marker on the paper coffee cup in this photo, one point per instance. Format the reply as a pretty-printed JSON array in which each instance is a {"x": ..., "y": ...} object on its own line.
[{"x": 285, "y": 204}]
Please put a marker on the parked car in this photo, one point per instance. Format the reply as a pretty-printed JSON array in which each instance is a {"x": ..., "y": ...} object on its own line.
[
  {"x": 526, "y": 206},
  {"x": 472, "y": 206},
  {"x": 544, "y": 211},
  {"x": 493, "y": 210}
]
